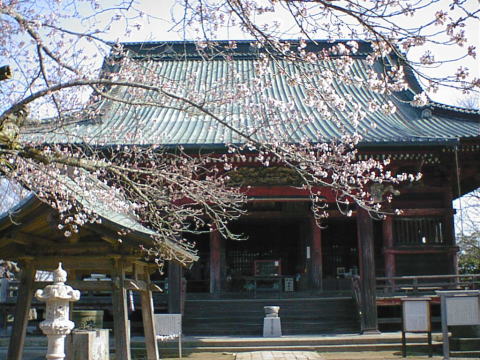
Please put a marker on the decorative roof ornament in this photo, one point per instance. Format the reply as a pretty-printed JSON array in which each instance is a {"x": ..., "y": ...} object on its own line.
[
  {"x": 59, "y": 275},
  {"x": 427, "y": 113}
]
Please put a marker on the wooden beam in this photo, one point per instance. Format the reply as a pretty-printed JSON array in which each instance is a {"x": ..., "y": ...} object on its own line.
[
  {"x": 334, "y": 214},
  {"x": 82, "y": 262},
  {"x": 426, "y": 212},
  {"x": 79, "y": 285},
  {"x": 103, "y": 285},
  {"x": 61, "y": 250},
  {"x": 148, "y": 319},
  {"x": 110, "y": 240},
  {"x": 136, "y": 285},
  {"x": 24, "y": 300},
  {"x": 23, "y": 238},
  {"x": 369, "y": 321},
  {"x": 26, "y": 216},
  {"x": 119, "y": 309},
  {"x": 154, "y": 287},
  {"x": 424, "y": 250}
]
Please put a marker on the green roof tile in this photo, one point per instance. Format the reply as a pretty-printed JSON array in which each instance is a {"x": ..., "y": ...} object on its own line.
[{"x": 125, "y": 124}]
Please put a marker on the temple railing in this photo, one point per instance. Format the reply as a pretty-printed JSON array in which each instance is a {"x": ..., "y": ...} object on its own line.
[{"x": 425, "y": 284}]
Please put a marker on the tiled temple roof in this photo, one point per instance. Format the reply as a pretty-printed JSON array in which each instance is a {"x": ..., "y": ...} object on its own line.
[{"x": 125, "y": 124}]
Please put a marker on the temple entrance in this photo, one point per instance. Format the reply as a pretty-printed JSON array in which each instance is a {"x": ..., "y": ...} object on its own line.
[
  {"x": 271, "y": 255},
  {"x": 280, "y": 255},
  {"x": 340, "y": 253},
  {"x": 271, "y": 259}
]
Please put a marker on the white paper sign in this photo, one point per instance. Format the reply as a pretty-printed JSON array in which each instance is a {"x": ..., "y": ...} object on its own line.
[
  {"x": 416, "y": 316},
  {"x": 463, "y": 310}
]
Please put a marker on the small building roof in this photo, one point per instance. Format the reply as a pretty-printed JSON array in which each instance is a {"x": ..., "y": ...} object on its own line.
[{"x": 18, "y": 220}]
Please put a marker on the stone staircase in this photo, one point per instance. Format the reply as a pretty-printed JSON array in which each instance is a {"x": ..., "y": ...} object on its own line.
[
  {"x": 217, "y": 317},
  {"x": 465, "y": 341},
  {"x": 35, "y": 346}
]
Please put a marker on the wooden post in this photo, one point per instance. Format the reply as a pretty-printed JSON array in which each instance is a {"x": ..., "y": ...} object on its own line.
[
  {"x": 4, "y": 285},
  {"x": 148, "y": 318},
  {"x": 388, "y": 245},
  {"x": 215, "y": 262},
  {"x": 316, "y": 255},
  {"x": 119, "y": 309},
  {"x": 367, "y": 272},
  {"x": 449, "y": 230},
  {"x": 175, "y": 296},
  {"x": 24, "y": 301}
]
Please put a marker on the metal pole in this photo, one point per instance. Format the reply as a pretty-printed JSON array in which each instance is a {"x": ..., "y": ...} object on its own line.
[{"x": 446, "y": 345}]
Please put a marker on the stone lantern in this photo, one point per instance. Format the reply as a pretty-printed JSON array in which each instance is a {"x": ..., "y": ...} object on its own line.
[{"x": 56, "y": 324}]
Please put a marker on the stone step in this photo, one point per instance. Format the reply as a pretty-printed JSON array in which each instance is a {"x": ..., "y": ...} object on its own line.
[
  {"x": 245, "y": 316},
  {"x": 258, "y": 330},
  {"x": 286, "y": 317},
  {"x": 416, "y": 348},
  {"x": 465, "y": 344},
  {"x": 465, "y": 354},
  {"x": 251, "y": 341},
  {"x": 340, "y": 343}
]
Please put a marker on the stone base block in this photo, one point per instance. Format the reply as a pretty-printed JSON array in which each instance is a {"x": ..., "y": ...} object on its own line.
[
  {"x": 272, "y": 327},
  {"x": 88, "y": 345}
]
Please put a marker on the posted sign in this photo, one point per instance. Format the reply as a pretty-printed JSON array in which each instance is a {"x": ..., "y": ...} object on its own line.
[
  {"x": 416, "y": 315},
  {"x": 463, "y": 310}
]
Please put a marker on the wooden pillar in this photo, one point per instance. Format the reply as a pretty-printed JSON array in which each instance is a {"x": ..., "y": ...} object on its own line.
[
  {"x": 367, "y": 272},
  {"x": 119, "y": 309},
  {"x": 215, "y": 262},
  {"x": 175, "y": 293},
  {"x": 3, "y": 311},
  {"x": 148, "y": 318},
  {"x": 24, "y": 301},
  {"x": 449, "y": 229},
  {"x": 316, "y": 255},
  {"x": 388, "y": 245}
]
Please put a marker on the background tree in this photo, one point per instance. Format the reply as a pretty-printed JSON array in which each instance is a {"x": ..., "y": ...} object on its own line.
[
  {"x": 470, "y": 102},
  {"x": 468, "y": 217},
  {"x": 469, "y": 257},
  {"x": 468, "y": 232},
  {"x": 55, "y": 48}
]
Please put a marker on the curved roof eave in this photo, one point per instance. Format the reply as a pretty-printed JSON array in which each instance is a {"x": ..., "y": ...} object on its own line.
[{"x": 138, "y": 233}]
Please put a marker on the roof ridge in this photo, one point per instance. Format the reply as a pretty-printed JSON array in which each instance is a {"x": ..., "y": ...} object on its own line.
[
  {"x": 455, "y": 108},
  {"x": 242, "y": 49}
]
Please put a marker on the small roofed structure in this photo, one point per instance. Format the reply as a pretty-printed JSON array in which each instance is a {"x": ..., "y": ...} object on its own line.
[{"x": 30, "y": 235}]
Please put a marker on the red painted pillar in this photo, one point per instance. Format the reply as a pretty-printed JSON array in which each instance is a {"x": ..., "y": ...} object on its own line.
[
  {"x": 388, "y": 247},
  {"x": 369, "y": 320},
  {"x": 215, "y": 262},
  {"x": 316, "y": 255}
]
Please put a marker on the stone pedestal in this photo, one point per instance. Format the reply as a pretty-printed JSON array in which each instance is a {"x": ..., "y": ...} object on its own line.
[
  {"x": 272, "y": 327},
  {"x": 271, "y": 323},
  {"x": 88, "y": 345}
]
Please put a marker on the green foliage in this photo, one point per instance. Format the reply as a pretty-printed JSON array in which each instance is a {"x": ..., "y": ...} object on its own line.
[{"x": 469, "y": 256}]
